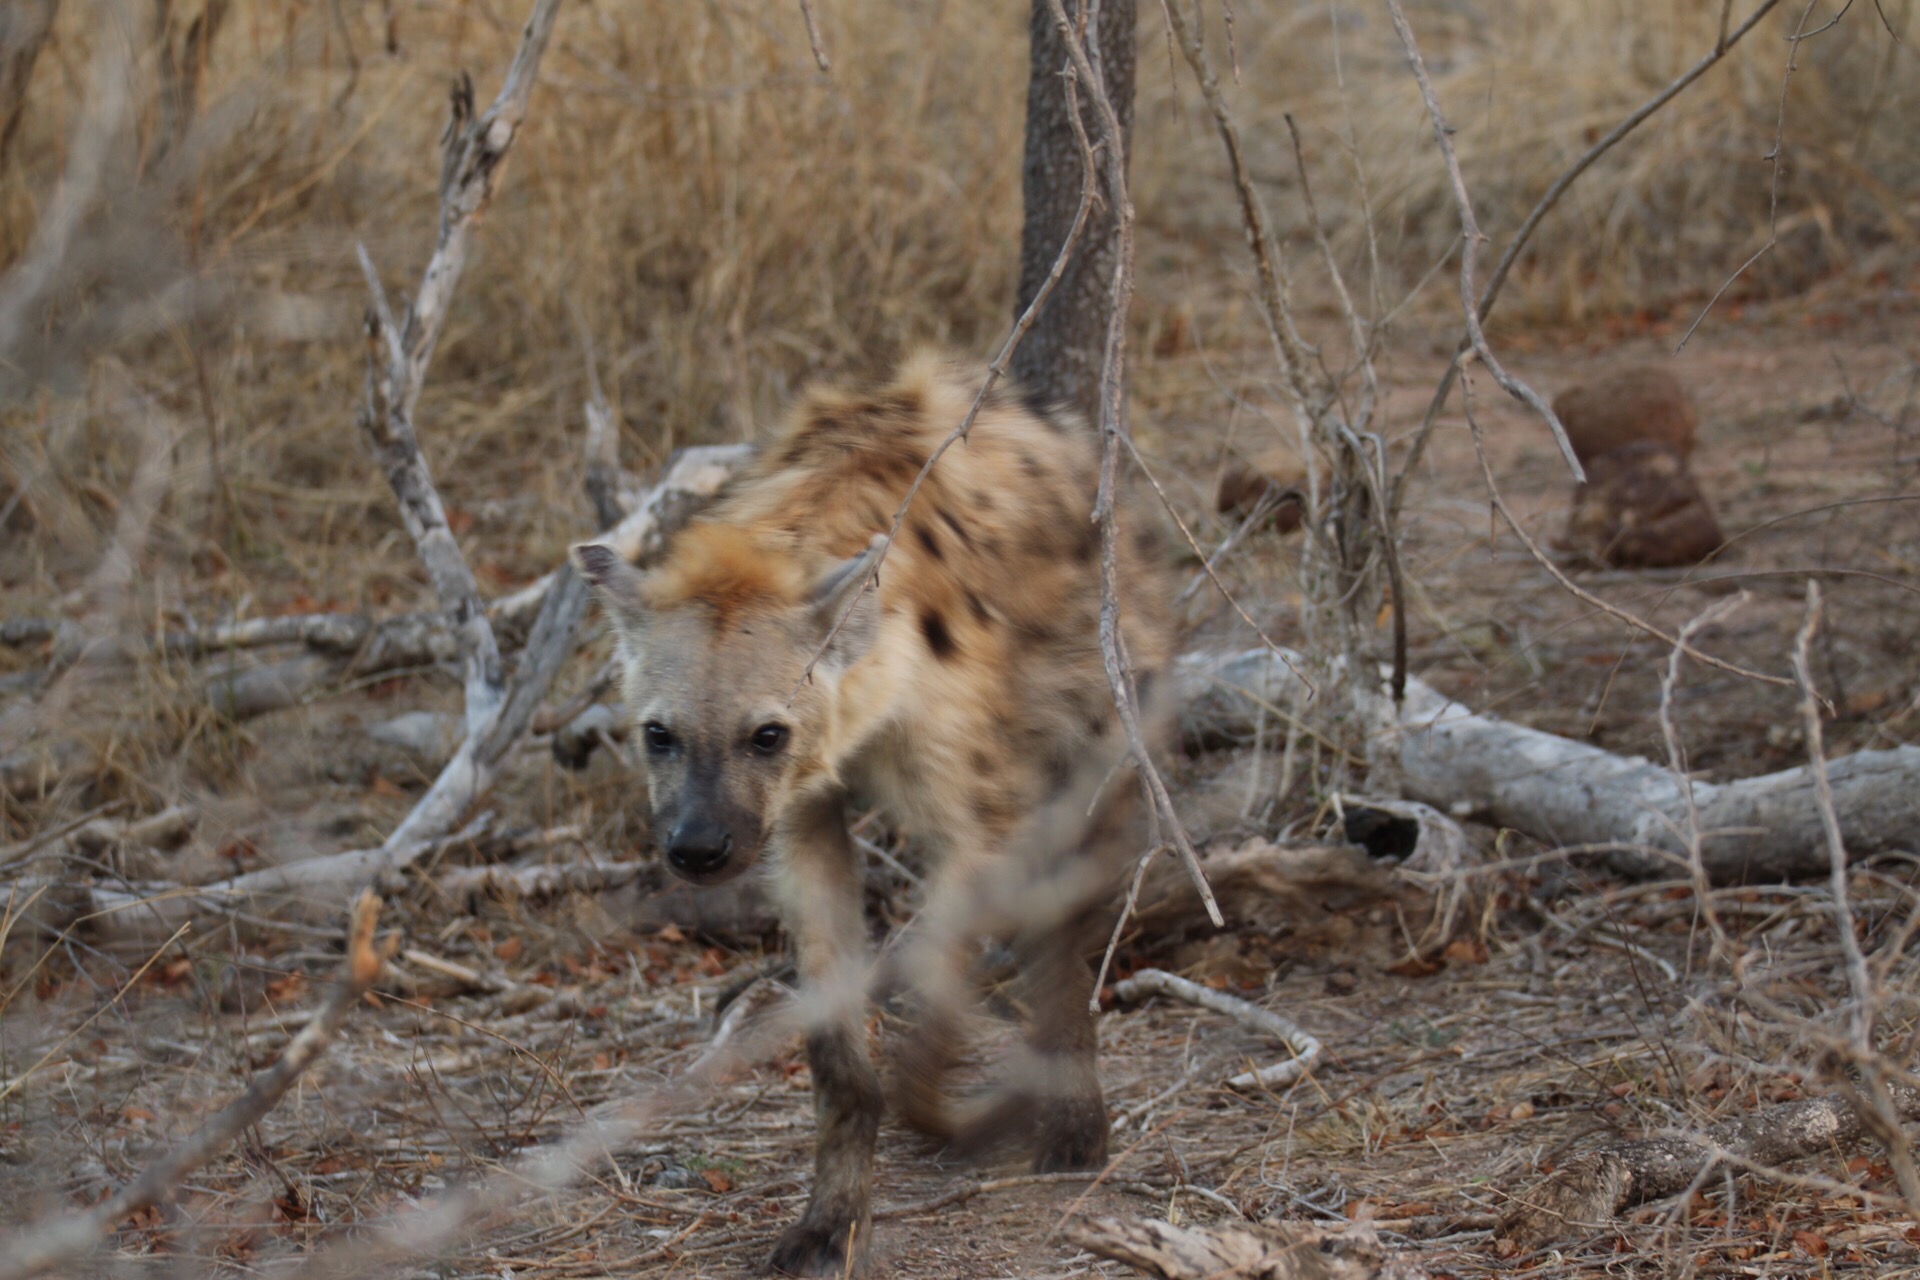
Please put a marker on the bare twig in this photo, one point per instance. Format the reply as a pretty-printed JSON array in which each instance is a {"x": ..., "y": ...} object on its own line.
[
  {"x": 1471, "y": 239},
  {"x": 1548, "y": 200},
  {"x": 1112, "y": 157},
  {"x": 70, "y": 1238},
  {"x": 1861, "y": 1017},
  {"x": 813, "y": 37},
  {"x": 1305, "y": 1047},
  {"x": 1773, "y": 158}
]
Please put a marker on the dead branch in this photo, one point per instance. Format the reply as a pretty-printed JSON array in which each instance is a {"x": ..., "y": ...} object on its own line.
[
  {"x": 1470, "y": 240},
  {"x": 63, "y": 1241},
  {"x": 1573, "y": 794},
  {"x": 691, "y": 480},
  {"x": 546, "y": 880},
  {"x": 1351, "y": 503},
  {"x": 1255, "y": 1250},
  {"x": 1586, "y": 1192},
  {"x": 1305, "y": 1047},
  {"x": 397, "y": 361},
  {"x": 1112, "y": 160},
  {"x": 1549, "y": 199}
]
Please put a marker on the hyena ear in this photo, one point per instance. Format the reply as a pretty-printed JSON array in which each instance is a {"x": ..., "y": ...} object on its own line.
[
  {"x": 844, "y": 587},
  {"x": 613, "y": 580}
]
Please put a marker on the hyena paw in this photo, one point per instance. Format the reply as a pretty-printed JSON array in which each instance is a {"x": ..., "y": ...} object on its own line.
[
  {"x": 1072, "y": 1137},
  {"x": 808, "y": 1250}
]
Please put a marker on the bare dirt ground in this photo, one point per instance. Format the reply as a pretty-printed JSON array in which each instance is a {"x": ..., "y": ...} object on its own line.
[{"x": 1578, "y": 1007}]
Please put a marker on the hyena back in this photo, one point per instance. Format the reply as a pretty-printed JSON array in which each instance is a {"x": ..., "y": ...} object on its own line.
[{"x": 767, "y": 675}]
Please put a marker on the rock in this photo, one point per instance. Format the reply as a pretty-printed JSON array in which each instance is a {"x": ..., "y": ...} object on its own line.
[
  {"x": 1638, "y": 404},
  {"x": 1641, "y": 508}
]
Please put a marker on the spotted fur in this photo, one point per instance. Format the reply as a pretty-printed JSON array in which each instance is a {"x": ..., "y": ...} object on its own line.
[{"x": 965, "y": 692}]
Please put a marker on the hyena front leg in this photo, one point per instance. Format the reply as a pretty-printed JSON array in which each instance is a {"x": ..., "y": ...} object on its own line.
[
  {"x": 820, "y": 889},
  {"x": 1063, "y": 1083}
]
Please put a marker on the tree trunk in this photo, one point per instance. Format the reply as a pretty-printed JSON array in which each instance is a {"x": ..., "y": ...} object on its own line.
[{"x": 1060, "y": 356}]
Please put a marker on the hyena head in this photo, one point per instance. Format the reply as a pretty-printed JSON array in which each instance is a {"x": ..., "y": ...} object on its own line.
[{"x": 714, "y": 649}]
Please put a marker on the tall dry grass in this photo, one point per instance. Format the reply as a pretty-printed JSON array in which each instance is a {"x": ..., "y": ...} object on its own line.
[
  {"x": 1530, "y": 84},
  {"x": 721, "y": 221}
]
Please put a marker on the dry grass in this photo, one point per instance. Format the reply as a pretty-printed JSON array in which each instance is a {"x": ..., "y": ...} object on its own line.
[
  {"x": 723, "y": 222},
  {"x": 720, "y": 222}
]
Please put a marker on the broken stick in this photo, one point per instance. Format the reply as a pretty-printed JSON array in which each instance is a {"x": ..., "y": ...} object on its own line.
[{"x": 1306, "y": 1048}]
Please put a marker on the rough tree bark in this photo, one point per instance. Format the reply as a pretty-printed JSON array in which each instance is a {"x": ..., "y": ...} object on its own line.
[{"x": 1060, "y": 356}]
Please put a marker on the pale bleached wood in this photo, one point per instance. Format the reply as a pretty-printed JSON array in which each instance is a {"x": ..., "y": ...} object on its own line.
[{"x": 1568, "y": 793}]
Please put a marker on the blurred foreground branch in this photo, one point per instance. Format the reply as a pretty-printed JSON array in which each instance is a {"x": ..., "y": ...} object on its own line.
[{"x": 70, "y": 1238}]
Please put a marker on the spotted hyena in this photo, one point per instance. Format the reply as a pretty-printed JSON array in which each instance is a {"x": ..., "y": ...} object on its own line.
[{"x": 770, "y": 672}]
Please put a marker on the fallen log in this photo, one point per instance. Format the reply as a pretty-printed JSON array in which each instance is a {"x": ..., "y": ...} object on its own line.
[
  {"x": 1584, "y": 1194},
  {"x": 1572, "y": 794}
]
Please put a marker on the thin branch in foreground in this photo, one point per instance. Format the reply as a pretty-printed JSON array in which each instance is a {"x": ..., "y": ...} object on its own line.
[
  {"x": 70, "y": 1238},
  {"x": 1800, "y": 33},
  {"x": 1861, "y": 1019},
  {"x": 996, "y": 369},
  {"x": 1305, "y": 1047},
  {"x": 1471, "y": 239},
  {"x": 1575, "y": 589},
  {"x": 813, "y": 38},
  {"x": 1545, "y": 205},
  {"x": 1112, "y": 156}
]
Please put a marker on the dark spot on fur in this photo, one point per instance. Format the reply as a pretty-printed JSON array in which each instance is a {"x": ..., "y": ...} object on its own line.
[
  {"x": 977, "y": 607},
  {"x": 1030, "y": 464},
  {"x": 1040, "y": 407},
  {"x": 929, "y": 541},
  {"x": 959, "y": 531},
  {"x": 981, "y": 499},
  {"x": 1058, "y": 769},
  {"x": 939, "y": 639},
  {"x": 993, "y": 809},
  {"x": 981, "y": 762},
  {"x": 1087, "y": 542}
]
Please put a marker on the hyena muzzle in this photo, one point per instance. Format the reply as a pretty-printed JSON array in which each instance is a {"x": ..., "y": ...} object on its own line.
[{"x": 769, "y": 674}]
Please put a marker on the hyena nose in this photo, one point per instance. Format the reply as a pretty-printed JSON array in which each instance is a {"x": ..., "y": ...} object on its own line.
[{"x": 698, "y": 847}]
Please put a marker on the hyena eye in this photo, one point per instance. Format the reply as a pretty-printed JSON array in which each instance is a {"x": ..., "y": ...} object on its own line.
[
  {"x": 659, "y": 737},
  {"x": 769, "y": 738}
]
